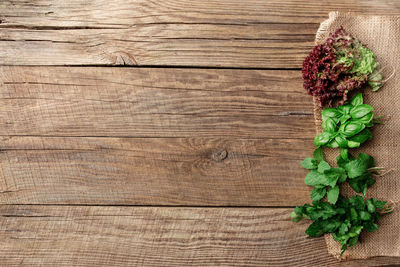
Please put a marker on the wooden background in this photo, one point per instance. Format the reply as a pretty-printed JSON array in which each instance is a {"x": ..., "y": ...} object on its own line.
[{"x": 158, "y": 133}]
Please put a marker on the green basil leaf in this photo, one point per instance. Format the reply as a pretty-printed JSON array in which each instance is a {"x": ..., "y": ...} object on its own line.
[
  {"x": 309, "y": 163},
  {"x": 353, "y": 144},
  {"x": 344, "y": 118},
  {"x": 333, "y": 194},
  {"x": 351, "y": 128},
  {"x": 362, "y": 136},
  {"x": 330, "y": 113},
  {"x": 344, "y": 153},
  {"x": 357, "y": 100},
  {"x": 322, "y": 139},
  {"x": 360, "y": 111},
  {"x": 367, "y": 118},
  {"x": 329, "y": 125},
  {"x": 341, "y": 141},
  {"x": 318, "y": 193},
  {"x": 319, "y": 154},
  {"x": 333, "y": 144},
  {"x": 345, "y": 109}
]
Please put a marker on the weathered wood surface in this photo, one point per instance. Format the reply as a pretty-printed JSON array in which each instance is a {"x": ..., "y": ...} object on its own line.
[
  {"x": 153, "y": 171},
  {"x": 208, "y": 112},
  {"x": 153, "y": 103},
  {"x": 151, "y": 236},
  {"x": 234, "y": 33}
]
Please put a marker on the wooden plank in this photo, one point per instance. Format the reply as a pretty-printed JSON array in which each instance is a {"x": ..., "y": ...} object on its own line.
[
  {"x": 68, "y": 101},
  {"x": 150, "y": 236},
  {"x": 229, "y": 33},
  {"x": 153, "y": 171}
]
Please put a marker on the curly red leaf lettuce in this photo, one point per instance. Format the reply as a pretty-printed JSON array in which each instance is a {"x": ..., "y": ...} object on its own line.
[{"x": 339, "y": 65}]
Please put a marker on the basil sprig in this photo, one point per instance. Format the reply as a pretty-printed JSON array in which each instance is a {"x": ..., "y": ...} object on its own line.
[{"x": 346, "y": 126}]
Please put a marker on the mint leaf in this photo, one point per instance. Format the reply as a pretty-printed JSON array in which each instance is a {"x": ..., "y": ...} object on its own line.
[
  {"x": 344, "y": 227},
  {"x": 378, "y": 204},
  {"x": 359, "y": 166},
  {"x": 295, "y": 217},
  {"x": 353, "y": 214},
  {"x": 365, "y": 216},
  {"x": 333, "y": 194},
  {"x": 370, "y": 206},
  {"x": 309, "y": 163},
  {"x": 353, "y": 241},
  {"x": 323, "y": 166},
  {"x": 370, "y": 226},
  {"x": 357, "y": 202},
  {"x": 319, "y": 154},
  {"x": 313, "y": 178},
  {"x": 318, "y": 193},
  {"x": 315, "y": 229}
]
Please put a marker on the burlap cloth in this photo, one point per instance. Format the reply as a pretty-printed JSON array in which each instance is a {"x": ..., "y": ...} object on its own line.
[{"x": 382, "y": 35}]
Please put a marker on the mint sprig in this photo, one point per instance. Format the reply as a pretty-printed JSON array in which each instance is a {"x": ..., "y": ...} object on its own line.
[
  {"x": 345, "y": 219},
  {"x": 326, "y": 179}
]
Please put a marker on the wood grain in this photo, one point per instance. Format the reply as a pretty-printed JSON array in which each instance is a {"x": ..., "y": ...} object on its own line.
[
  {"x": 230, "y": 33},
  {"x": 67, "y": 101},
  {"x": 153, "y": 171},
  {"x": 149, "y": 236}
]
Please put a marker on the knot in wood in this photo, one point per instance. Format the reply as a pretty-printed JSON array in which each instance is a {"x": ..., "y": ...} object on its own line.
[{"x": 219, "y": 155}]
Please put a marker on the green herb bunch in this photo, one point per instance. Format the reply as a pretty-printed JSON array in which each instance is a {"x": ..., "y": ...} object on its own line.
[
  {"x": 346, "y": 126},
  {"x": 325, "y": 179},
  {"x": 345, "y": 219}
]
